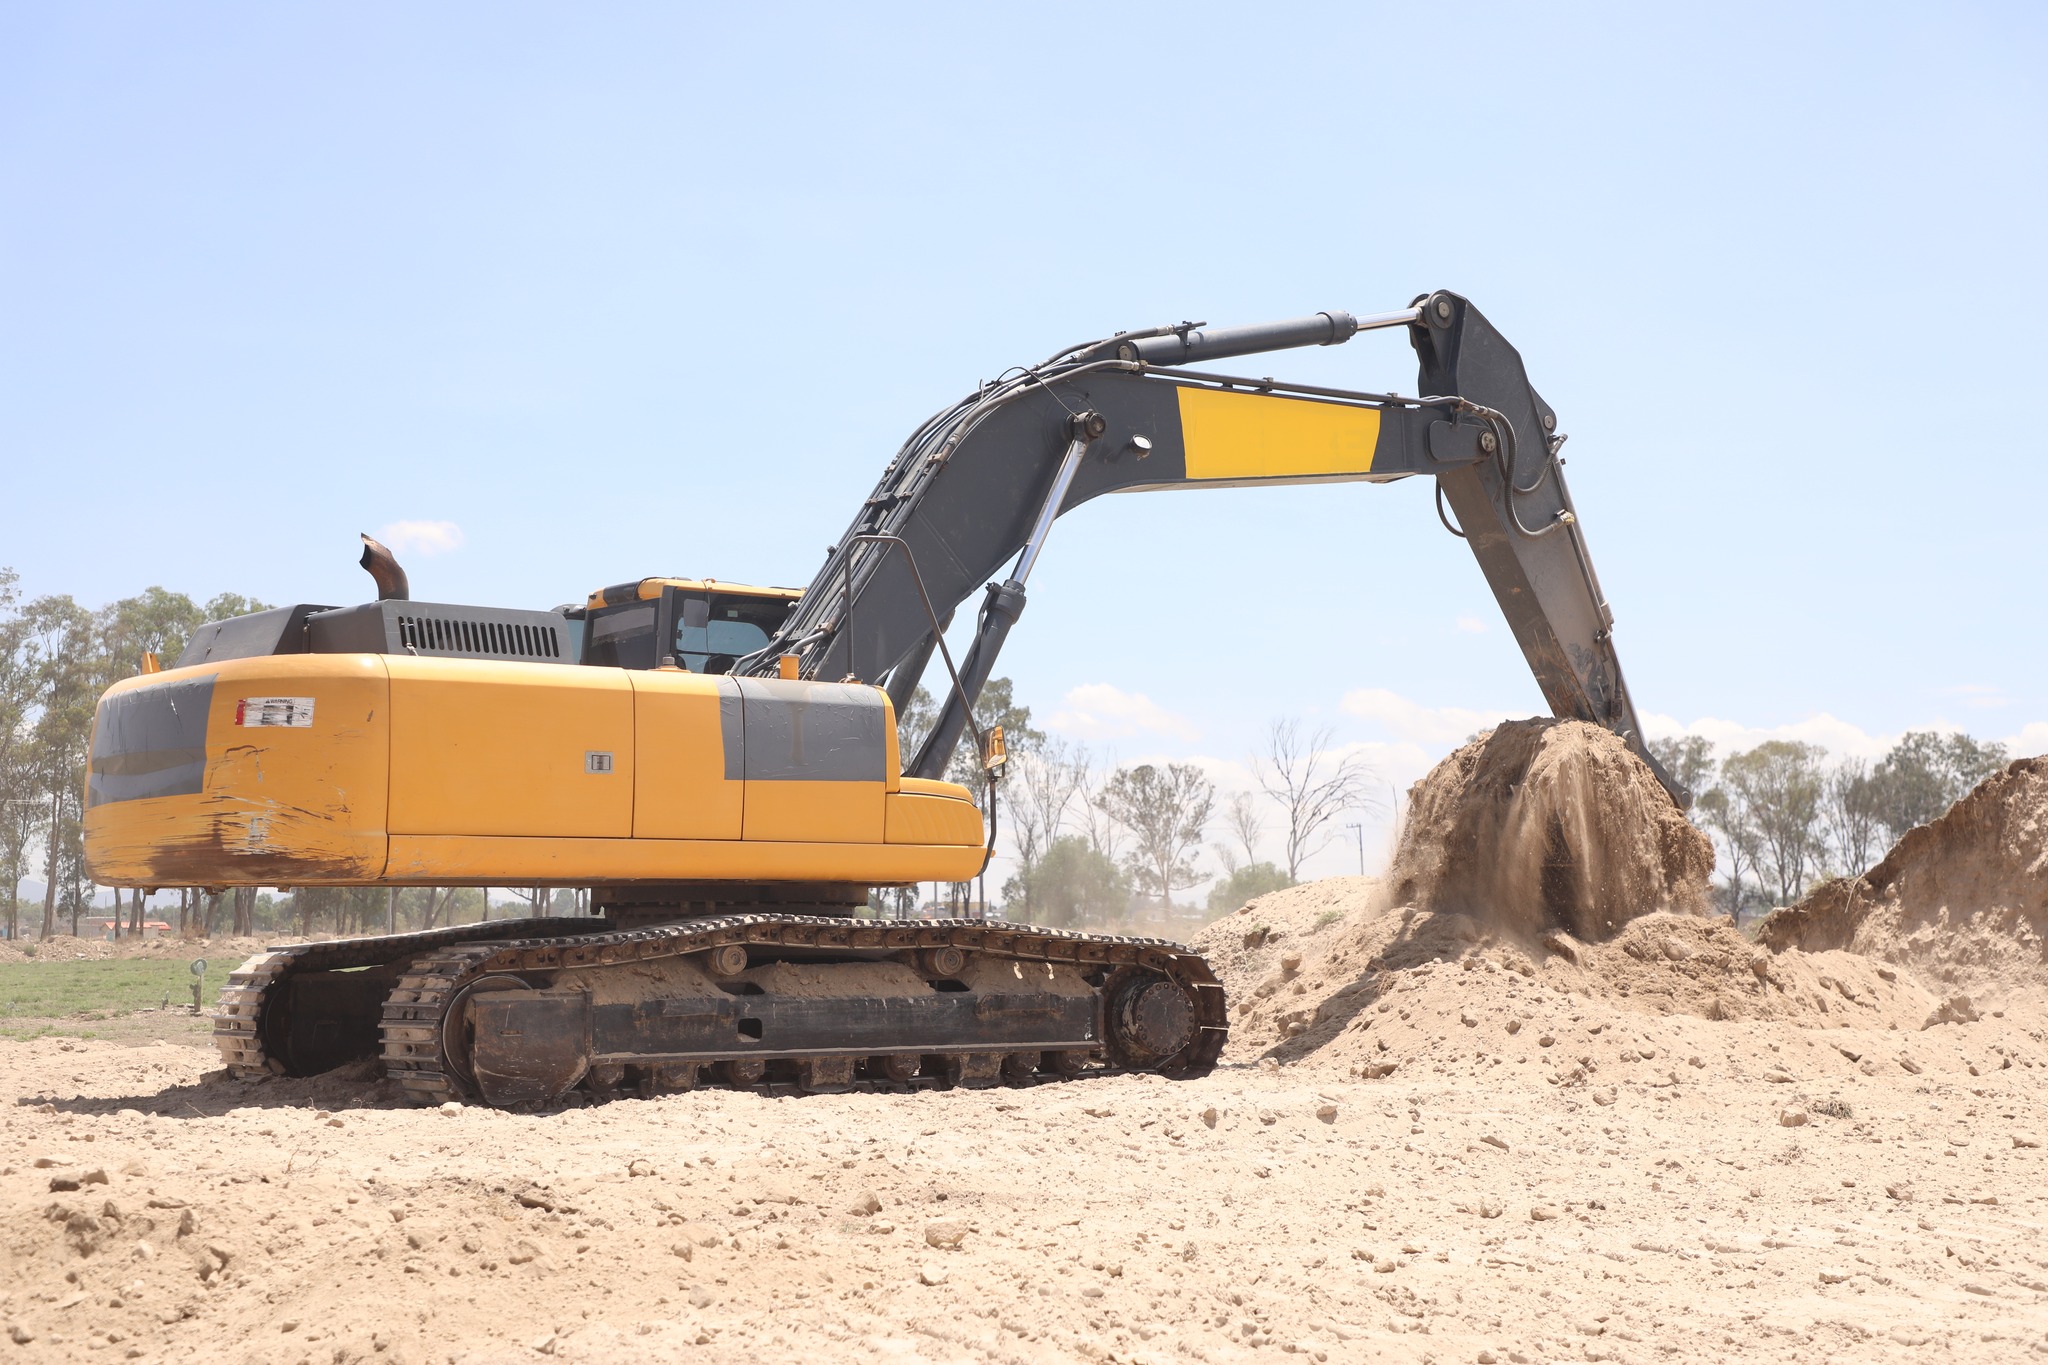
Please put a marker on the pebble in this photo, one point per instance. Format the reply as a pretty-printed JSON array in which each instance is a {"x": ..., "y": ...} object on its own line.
[
  {"x": 2023, "y": 1140},
  {"x": 450, "y": 1110},
  {"x": 1209, "y": 1116},
  {"x": 1542, "y": 1213},
  {"x": 639, "y": 1168},
  {"x": 1833, "y": 1276},
  {"x": 1792, "y": 1118},
  {"x": 700, "y": 1297},
  {"x": 1327, "y": 1113},
  {"x": 1545, "y": 1041},
  {"x": 1777, "y": 1078},
  {"x": 932, "y": 1274},
  {"x": 869, "y": 1202},
  {"x": 1492, "y": 1141},
  {"x": 947, "y": 1235}
]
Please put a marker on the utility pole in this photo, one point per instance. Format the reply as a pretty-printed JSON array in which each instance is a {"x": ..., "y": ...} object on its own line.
[{"x": 1359, "y": 830}]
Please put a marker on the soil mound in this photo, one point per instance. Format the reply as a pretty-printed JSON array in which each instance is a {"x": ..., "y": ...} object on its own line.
[
  {"x": 1964, "y": 897},
  {"x": 1549, "y": 823},
  {"x": 1327, "y": 974}
]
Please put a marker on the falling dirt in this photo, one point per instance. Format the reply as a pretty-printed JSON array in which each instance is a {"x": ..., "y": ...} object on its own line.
[
  {"x": 1963, "y": 898},
  {"x": 1548, "y": 823}
]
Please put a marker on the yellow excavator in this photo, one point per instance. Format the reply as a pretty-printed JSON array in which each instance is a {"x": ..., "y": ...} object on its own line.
[{"x": 718, "y": 763}]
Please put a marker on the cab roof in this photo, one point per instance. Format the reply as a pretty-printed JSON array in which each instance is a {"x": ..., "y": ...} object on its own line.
[{"x": 620, "y": 593}]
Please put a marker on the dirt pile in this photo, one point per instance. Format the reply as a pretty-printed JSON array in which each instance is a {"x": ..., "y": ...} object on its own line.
[
  {"x": 1548, "y": 823},
  {"x": 65, "y": 948},
  {"x": 1324, "y": 974},
  {"x": 1964, "y": 897}
]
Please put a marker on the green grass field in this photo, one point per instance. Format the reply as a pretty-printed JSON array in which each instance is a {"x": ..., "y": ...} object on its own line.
[{"x": 63, "y": 990}]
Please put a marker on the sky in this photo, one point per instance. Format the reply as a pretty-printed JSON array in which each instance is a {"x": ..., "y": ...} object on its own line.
[{"x": 559, "y": 298}]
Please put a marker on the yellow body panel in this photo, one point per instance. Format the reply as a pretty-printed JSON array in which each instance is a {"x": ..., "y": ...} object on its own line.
[
  {"x": 1233, "y": 435},
  {"x": 922, "y": 818},
  {"x": 280, "y": 804},
  {"x": 467, "y": 861},
  {"x": 413, "y": 771},
  {"x": 680, "y": 788},
  {"x": 489, "y": 747},
  {"x": 793, "y": 812}
]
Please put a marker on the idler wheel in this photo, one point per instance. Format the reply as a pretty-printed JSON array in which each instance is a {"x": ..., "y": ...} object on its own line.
[
  {"x": 1064, "y": 1063},
  {"x": 1149, "y": 1019},
  {"x": 896, "y": 1066},
  {"x": 726, "y": 961},
  {"x": 1020, "y": 1066},
  {"x": 457, "y": 1038}
]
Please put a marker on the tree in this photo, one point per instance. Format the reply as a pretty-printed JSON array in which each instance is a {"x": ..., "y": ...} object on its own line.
[
  {"x": 1166, "y": 810},
  {"x": 1689, "y": 759},
  {"x": 1726, "y": 815},
  {"x": 1925, "y": 773},
  {"x": 1071, "y": 884},
  {"x": 1245, "y": 883},
  {"x": 1778, "y": 784},
  {"x": 21, "y": 687},
  {"x": 1241, "y": 820},
  {"x": 154, "y": 621},
  {"x": 913, "y": 723},
  {"x": 1311, "y": 786},
  {"x": 61, "y": 637},
  {"x": 1851, "y": 812},
  {"x": 996, "y": 706},
  {"x": 1040, "y": 787}
]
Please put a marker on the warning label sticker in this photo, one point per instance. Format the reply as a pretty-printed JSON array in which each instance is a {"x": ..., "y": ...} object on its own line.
[{"x": 296, "y": 712}]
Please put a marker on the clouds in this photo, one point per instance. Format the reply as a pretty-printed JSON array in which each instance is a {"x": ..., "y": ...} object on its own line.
[
  {"x": 1099, "y": 711},
  {"x": 1414, "y": 723},
  {"x": 423, "y": 538}
]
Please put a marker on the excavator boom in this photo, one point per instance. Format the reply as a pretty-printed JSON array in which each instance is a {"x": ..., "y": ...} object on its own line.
[{"x": 979, "y": 486}]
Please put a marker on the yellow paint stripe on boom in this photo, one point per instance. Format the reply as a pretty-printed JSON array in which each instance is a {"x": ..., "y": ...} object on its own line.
[{"x": 1258, "y": 436}]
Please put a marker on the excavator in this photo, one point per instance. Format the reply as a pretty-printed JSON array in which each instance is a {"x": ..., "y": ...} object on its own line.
[{"x": 719, "y": 765}]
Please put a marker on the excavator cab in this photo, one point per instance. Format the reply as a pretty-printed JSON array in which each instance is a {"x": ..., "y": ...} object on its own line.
[{"x": 698, "y": 625}]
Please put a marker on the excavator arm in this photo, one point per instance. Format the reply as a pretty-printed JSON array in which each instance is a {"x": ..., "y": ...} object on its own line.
[{"x": 979, "y": 486}]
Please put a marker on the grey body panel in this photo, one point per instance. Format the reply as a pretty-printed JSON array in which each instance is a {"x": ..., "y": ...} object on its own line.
[
  {"x": 800, "y": 731},
  {"x": 281, "y": 630},
  {"x": 150, "y": 741}
]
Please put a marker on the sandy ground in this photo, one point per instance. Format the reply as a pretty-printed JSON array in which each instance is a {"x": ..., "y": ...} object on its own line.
[
  {"x": 1442, "y": 1132},
  {"x": 1479, "y": 1202}
]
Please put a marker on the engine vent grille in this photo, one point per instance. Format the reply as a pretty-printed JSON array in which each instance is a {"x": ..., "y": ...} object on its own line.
[{"x": 479, "y": 639}]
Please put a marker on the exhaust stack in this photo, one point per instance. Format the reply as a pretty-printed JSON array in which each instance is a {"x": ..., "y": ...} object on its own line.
[{"x": 383, "y": 567}]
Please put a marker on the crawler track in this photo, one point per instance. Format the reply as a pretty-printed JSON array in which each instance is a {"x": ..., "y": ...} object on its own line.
[
  {"x": 239, "y": 1013},
  {"x": 431, "y": 972}
]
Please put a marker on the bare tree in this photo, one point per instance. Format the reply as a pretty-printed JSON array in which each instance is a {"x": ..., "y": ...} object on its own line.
[
  {"x": 1241, "y": 821},
  {"x": 1103, "y": 833},
  {"x": 1165, "y": 809},
  {"x": 1312, "y": 787},
  {"x": 1042, "y": 781}
]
